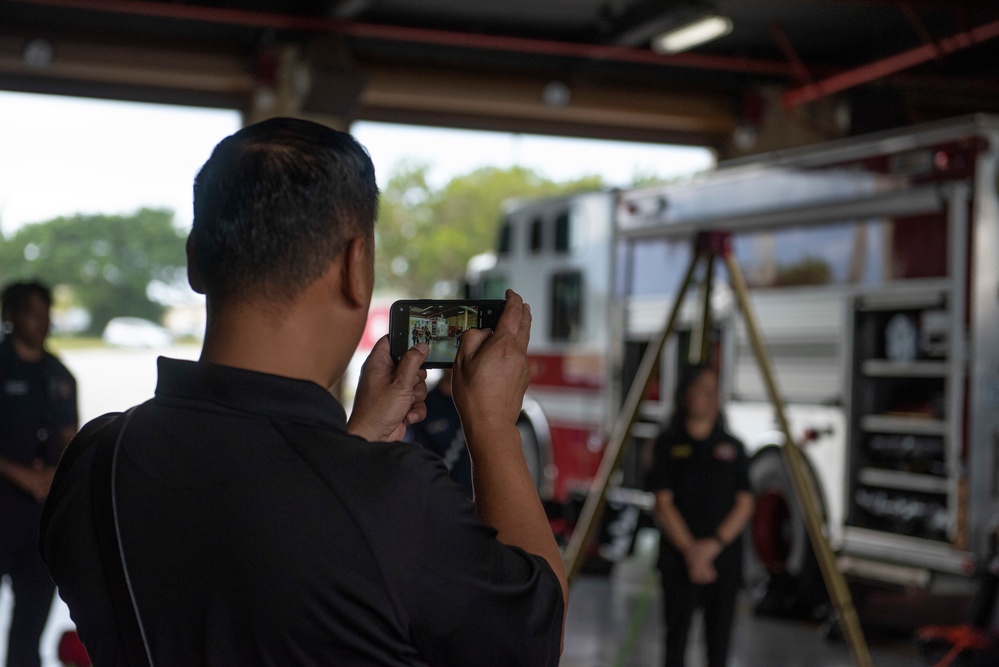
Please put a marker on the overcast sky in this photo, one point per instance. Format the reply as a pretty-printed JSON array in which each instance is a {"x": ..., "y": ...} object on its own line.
[{"x": 62, "y": 155}]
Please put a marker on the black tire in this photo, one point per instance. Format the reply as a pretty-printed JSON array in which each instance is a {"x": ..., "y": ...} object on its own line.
[{"x": 782, "y": 572}]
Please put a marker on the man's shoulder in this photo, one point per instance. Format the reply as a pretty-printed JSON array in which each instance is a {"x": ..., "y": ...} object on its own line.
[
  {"x": 100, "y": 427},
  {"x": 375, "y": 470},
  {"x": 72, "y": 486},
  {"x": 380, "y": 458},
  {"x": 84, "y": 443}
]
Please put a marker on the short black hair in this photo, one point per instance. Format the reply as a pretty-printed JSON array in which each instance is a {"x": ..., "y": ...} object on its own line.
[
  {"x": 275, "y": 203},
  {"x": 16, "y": 295}
]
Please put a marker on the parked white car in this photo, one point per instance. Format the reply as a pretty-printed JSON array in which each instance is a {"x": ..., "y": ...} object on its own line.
[{"x": 136, "y": 332}]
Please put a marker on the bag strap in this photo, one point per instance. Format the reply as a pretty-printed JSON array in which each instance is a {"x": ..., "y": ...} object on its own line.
[{"x": 112, "y": 556}]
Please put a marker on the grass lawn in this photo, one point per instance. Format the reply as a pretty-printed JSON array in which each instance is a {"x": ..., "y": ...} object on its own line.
[{"x": 57, "y": 344}]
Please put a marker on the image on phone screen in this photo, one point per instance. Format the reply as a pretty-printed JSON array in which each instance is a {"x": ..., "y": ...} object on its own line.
[{"x": 440, "y": 323}]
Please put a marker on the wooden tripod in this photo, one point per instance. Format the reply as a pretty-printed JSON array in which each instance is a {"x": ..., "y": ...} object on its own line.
[{"x": 708, "y": 247}]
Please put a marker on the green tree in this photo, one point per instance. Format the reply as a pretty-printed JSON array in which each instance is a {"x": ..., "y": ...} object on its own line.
[
  {"x": 807, "y": 271},
  {"x": 425, "y": 237},
  {"x": 646, "y": 178},
  {"x": 105, "y": 262}
]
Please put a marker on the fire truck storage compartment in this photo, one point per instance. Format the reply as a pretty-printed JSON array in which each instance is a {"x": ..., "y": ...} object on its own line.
[{"x": 901, "y": 422}]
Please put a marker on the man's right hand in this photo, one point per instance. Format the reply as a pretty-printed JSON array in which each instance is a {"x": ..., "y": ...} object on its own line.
[
  {"x": 491, "y": 372},
  {"x": 488, "y": 383}
]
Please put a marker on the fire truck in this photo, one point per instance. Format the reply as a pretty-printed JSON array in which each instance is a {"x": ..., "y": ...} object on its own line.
[{"x": 873, "y": 271}]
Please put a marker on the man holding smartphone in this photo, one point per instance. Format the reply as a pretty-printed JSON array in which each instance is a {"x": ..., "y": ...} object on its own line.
[{"x": 239, "y": 517}]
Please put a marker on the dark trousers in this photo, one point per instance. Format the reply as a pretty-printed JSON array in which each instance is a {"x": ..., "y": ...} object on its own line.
[
  {"x": 33, "y": 593},
  {"x": 681, "y": 598}
]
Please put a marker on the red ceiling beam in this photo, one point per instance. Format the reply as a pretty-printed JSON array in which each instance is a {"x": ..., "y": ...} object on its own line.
[
  {"x": 478, "y": 42},
  {"x": 798, "y": 67},
  {"x": 917, "y": 24},
  {"x": 891, "y": 65}
]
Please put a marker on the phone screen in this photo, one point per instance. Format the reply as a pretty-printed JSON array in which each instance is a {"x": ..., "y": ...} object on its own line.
[{"x": 440, "y": 323}]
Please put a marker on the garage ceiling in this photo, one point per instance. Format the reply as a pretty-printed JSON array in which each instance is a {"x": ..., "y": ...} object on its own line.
[{"x": 575, "y": 67}]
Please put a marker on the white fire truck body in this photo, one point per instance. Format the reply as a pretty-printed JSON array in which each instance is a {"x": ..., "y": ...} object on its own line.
[{"x": 873, "y": 266}]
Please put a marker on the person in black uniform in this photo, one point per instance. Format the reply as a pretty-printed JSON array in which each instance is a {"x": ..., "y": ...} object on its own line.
[
  {"x": 37, "y": 419},
  {"x": 239, "y": 517},
  {"x": 702, "y": 503}
]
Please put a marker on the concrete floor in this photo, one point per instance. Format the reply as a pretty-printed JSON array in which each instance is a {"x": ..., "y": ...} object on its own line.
[{"x": 616, "y": 621}]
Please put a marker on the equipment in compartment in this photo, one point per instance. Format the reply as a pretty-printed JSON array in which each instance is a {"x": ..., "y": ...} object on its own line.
[
  {"x": 907, "y": 452},
  {"x": 901, "y": 426},
  {"x": 933, "y": 334},
  {"x": 901, "y": 338},
  {"x": 905, "y": 513},
  {"x": 915, "y": 335}
]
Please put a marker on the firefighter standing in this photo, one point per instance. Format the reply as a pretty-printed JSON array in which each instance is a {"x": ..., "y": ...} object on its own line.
[{"x": 700, "y": 479}]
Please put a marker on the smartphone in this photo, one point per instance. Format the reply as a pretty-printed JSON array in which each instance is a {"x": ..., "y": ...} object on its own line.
[{"x": 440, "y": 324}]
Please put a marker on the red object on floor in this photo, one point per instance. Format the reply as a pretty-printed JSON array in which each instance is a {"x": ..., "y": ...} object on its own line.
[
  {"x": 72, "y": 652},
  {"x": 960, "y": 637}
]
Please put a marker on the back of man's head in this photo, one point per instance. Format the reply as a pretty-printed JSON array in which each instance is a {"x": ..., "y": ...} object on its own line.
[{"x": 275, "y": 204}]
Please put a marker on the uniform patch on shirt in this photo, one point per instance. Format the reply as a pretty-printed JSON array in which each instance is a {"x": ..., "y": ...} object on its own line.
[
  {"x": 725, "y": 451},
  {"x": 15, "y": 388},
  {"x": 681, "y": 451}
]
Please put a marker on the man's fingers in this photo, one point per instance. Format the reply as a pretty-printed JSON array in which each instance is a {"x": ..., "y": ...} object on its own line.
[
  {"x": 379, "y": 357},
  {"x": 516, "y": 319},
  {"x": 471, "y": 341},
  {"x": 417, "y": 414},
  {"x": 524, "y": 332},
  {"x": 382, "y": 342},
  {"x": 513, "y": 312},
  {"x": 380, "y": 351},
  {"x": 409, "y": 365},
  {"x": 420, "y": 390}
]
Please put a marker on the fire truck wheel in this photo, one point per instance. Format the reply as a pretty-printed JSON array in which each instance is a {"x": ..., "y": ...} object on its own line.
[
  {"x": 782, "y": 573},
  {"x": 532, "y": 452}
]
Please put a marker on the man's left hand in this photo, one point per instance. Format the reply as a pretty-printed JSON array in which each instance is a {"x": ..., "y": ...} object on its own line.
[{"x": 389, "y": 396}]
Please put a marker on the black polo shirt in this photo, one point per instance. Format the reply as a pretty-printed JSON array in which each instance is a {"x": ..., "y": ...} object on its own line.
[
  {"x": 258, "y": 532},
  {"x": 704, "y": 476}
]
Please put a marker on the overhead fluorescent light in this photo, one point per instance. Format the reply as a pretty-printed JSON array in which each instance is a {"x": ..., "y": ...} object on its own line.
[{"x": 692, "y": 34}]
